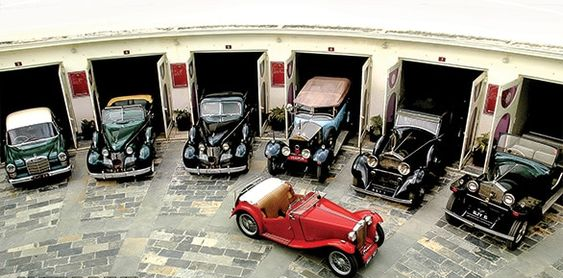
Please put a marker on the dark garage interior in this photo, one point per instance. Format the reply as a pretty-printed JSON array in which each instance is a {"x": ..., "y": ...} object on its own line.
[
  {"x": 310, "y": 65},
  {"x": 129, "y": 76},
  {"x": 435, "y": 89},
  {"x": 30, "y": 88},
  {"x": 238, "y": 71},
  {"x": 544, "y": 100}
]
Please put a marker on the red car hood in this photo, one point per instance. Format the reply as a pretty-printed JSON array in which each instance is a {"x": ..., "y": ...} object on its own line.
[{"x": 327, "y": 220}]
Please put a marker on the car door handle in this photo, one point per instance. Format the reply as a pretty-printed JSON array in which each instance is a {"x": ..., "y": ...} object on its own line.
[{"x": 291, "y": 216}]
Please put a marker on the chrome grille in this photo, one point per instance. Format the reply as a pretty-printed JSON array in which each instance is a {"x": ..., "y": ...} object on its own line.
[
  {"x": 361, "y": 235},
  {"x": 37, "y": 165},
  {"x": 213, "y": 151},
  {"x": 489, "y": 191},
  {"x": 389, "y": 164}
]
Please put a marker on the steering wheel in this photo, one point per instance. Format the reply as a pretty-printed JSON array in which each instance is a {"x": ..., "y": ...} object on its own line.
[
  {"x": 515, "y": 151},
  {"x": 21, "y": 139}
]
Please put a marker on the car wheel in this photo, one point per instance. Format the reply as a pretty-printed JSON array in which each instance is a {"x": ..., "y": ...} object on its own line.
[
  {"x": 342, "y": 264},
  {"x": 452, "y": 205},
  {"x": 518, "y": 230},
  {"x": 273, "y": 168},
  {"x": 380, "y": 237},
  {"x": 322, "y": 173},
  {"x": 247, "y": 166},
  {"x": 247, "y": 225}
]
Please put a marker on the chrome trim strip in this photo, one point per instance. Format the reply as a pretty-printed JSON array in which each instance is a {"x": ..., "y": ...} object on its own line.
[
  {"x": 48, "y": 174},
  {"x": 133, "y": 173},
  {"x": 401, "y": 201},
  {"x": 477, "y": 226},
  {"x": 227, "y": 170}
]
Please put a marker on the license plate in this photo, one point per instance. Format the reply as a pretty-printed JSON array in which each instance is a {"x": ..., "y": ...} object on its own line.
[
  {"x": 480, "y": 213},
  {"x": 40, "y": 176},
  {"x": 297, "y": 158}
]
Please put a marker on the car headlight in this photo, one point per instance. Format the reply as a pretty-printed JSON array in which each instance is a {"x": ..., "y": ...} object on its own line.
[
  {"x": 129, "y": 150},
  {"x": 62, "y": 156},
  {"x": 352, "y": 236},
  {"x": 201, "y": 147},
  {"x": 306, "y": 153},
  {"x": 368, "y": 220},
  {"x": 226, "y": 146},
  {"x": 473, "y": 186},
  {"x": 105, "y": 152},
  {"x": 372, "y": 161},
  {"x": 10, "y": 168},
  {"x": 286, "y": 151},
  {"x": 508, "y": 199},
  {"x": 404, "y": 168}
]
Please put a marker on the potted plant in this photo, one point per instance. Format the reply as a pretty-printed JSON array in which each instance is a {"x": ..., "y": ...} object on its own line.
[
  {"x": 375, "y": 124},
  {"x": 183, "y": 119},
  {"x": 277, "y": 118},
  {"x": 480, "y": 149},
  {"x": 88, "y": 127}
]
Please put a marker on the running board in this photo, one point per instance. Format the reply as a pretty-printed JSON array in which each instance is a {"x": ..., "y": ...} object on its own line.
[
  {"x": 340, "y": 141},
  {"x": 552, "y": 200},
  {"x": 276, "y": 238}
]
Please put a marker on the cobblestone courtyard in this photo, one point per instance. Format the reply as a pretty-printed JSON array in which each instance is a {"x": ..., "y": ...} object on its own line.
[{"x": 177, "y": 225}]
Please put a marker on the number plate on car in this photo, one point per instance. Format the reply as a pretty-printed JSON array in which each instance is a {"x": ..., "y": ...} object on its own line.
[
  {"x": 297, "y": 158},
  {"x": 480, "y": 213}
]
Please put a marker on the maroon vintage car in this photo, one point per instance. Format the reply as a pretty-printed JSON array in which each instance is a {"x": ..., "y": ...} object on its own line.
[{"x": 271, "y": 209}]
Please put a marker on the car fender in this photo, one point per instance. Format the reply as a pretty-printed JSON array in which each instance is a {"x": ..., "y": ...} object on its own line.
[
  {"x": 360, "y": 170},
  {"x": 273, "y": 149},
  {"x": 413, "y": 182},
  {"x": 321, "y": 156},
  {"x": 252, "y": 210},
  {"x": 365, "y": 212},
  {"x": 342, "y": 245}
]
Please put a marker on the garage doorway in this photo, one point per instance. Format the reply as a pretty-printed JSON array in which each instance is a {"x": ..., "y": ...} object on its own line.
[
  {"x": 527, "y": 106},
  {"x": 122, "y": 76},
  {"x": 244, "y": 71},
  {"x": 434, "y": 89},
  {"x": 303, "y": 65},
  {"x": 37, "y": 86}
]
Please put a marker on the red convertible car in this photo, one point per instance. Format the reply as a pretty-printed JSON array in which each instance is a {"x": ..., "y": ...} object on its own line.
[{"x": 271, "y": 209}]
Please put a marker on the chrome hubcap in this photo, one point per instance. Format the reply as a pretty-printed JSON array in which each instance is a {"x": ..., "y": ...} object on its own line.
[
  {"x": 522, "y": 231},
  {"x": 339, "y": 262},
  {"x": 248, "y": 224}
]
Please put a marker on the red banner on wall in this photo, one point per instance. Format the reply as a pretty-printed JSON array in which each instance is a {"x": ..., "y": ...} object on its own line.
[
  {"x": 179, "y": 75},
  {"x": 277, "y": 74},
  {"x": 491, "y": 100},
  {"x": 78, "y": 83}
]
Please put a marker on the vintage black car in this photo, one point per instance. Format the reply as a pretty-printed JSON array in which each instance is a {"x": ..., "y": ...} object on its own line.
[
  {"x": 320, "y": 112},
  {"x": 221, "y": 141},
  {"x": 124, "y": 146},
  {"x": 405, "y": 161},
  {"x": 523, "y": 181}
]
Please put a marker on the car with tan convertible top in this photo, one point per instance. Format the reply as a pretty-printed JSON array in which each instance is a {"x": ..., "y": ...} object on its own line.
[
  {"x": 271, "y": 209},
  {"x": 124, "y": 145}
]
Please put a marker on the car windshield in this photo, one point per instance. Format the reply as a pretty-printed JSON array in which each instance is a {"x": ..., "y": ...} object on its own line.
[
  {"x": 325, "y": 111},
  {"x": 404, "y": 142},
  {"x": 123, "y": 115},
  {"x": 220, "y": 111},
  {"x": 28, "y": 134},
  {"x": 511, "y": 165}
]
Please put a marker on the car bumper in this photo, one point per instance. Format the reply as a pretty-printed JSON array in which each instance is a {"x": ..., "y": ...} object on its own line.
[
  {"x": 383, "y": 196},
  {"x": 44, "y": 175},
  {"x": 225, "y": 170},
  {"x": 114, "y": 175},
  {"x": 478, "y": 226}
]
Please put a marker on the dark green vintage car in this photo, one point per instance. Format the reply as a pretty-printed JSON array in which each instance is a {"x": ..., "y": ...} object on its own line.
[
  {"x": 125, "y": 145},
  {"x": 35, "y": 147}
]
